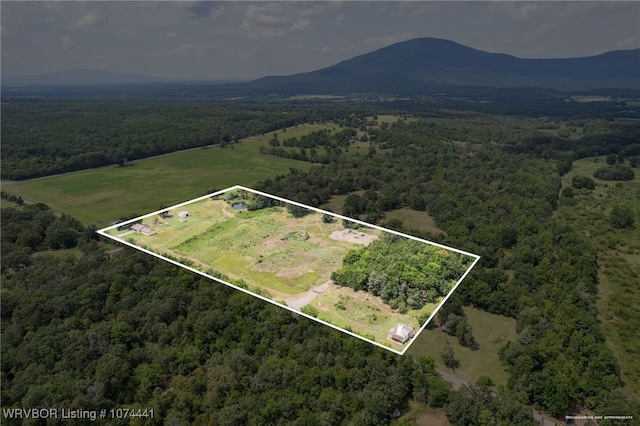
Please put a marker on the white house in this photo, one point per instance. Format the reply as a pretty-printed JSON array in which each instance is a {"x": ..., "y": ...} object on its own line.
[{"x": 401, "y": 333}]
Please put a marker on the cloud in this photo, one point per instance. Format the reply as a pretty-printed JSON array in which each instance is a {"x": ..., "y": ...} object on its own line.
[
  {"x": 590, "y": 7},
  {"x": 268, "y": 21},
  {"x": 339, "y": 18},
  {"x": 171, "y": 35},
  {"x": 413, "y": 8},
  {"x": 91, "y": 19},
  {"x": 520, "y": 11},
  {"x": 390, "y": 39},
  {"x": 192, "y": 49},
  {"x": 203, "y": 9},
  {"x": 300, "y": 24},
  {"x": 532, "y": 53},
  {"x": 627, "y": 43},
  {"x": 542, "y": 30},
  {"x": 66, "y": 41}
]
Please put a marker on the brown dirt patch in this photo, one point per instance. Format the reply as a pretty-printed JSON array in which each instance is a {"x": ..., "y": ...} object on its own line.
[{"x": 353, "y": 236}]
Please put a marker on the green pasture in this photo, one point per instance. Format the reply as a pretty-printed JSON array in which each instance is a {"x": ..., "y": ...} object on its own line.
[
  {"x": 103, "y": 195},
  {"x": 260, "y": 247},
  {"x": 490, "y": 331},
  {"x": 413, "y": 219},
  {"x": 420, "y": 414},
  {"x": 236, "y": 265},
  {"x": 296, "y": 131},
  {"x": 618, "y": 260},
  {"x": 5, "y": 204}
]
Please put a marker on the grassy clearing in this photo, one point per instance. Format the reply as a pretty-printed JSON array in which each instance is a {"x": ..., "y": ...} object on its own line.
[
  {"x": 413, "y": 219},
  {"x": 5, "y": 204},
  {"x": 255, "y": 246},
  {"x": 387, "y": 118},
  {"x": 276, "y": 255},
  {"x": 618, "y": 261},
  {"x": 421, "y": 415},
  {"x": 75, "y": 252},
  {"x": 295, "y": 131},
  {"x": 103, "y": 195},
  {"x": 490, "y": 331},
  {"x": 365, "y": 314}
]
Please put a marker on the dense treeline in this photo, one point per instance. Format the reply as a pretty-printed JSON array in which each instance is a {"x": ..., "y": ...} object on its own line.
[
  {"x": 498, "y": 203},
  {"x": 405, "y": 273},
  {"x": 35, "y": 228},
  {"x": 128, "y": 330},
  {"x": 44, "y": 137}
]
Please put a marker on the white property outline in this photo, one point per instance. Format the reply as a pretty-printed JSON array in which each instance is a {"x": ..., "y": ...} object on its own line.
[{"x": 104, "y": 233}]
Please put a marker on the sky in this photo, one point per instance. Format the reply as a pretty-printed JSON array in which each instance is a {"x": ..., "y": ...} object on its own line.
[{"x": 245, "y": 40}]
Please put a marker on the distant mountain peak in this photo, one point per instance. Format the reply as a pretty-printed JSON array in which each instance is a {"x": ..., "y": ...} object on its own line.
[{"x": 429, "y": 64}]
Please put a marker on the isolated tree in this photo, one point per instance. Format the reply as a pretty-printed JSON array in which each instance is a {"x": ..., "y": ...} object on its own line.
[
  {"x": 327, "y": 218},
  {"x": 567, "y": 192},
  {"x": 297, "y": 211},
  {"x": 622, "y": 217},
  {"x": 274, "y": 140},
  {"x": 611, "y": 159},
  {"x": 464, "y": 333},
  {"x": 580, "y": 181},
  {"x": 449, "y": 358}
]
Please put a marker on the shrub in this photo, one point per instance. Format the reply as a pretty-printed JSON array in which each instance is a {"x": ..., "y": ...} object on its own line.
[
  {"x": 617, "y": 172},
  {"x": 579, "y": 182}
]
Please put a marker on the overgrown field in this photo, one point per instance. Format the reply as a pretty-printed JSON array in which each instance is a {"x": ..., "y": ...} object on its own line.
[
  {"x": 490, "y": 331},
  {"x": 266, "y": 248},
  {"x": 618, "y": 259},
  {"x": 102, "y": 195}
]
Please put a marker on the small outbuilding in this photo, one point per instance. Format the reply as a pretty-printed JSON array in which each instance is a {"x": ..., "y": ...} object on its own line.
[
  {"x": 401, "y": 333},
  {"x": 143, "y": 229},
  {"x": 183, "y": 215}
]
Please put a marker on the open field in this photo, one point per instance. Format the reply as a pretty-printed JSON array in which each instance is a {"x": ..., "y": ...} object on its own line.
[
  {"x": 422, "y": 415},
  {"x": 413, "y": 219},
  {"x": 364, "y": 313},
  {"x": 102, "y": 195},
  {"x": 268, "y": 251},
  {"x": 490, "y": 331},
  {"x": 295, "y": 131},
  {"x": 5, "y": 204},
  {"x": 618, "y": 261}
]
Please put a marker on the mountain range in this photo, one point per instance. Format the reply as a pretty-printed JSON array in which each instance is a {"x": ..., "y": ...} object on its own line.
[
  {"x": 426, "y": 64},
  {"x": 423, "y": 65}
]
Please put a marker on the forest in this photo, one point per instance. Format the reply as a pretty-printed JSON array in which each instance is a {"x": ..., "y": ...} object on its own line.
[
  {"x": 104, "y": 330},
  {"x": 497, "y": 200},
  {"x": 102, "y": 327},
  {"x": 405, "y": 273},
  {"x": 41, "y": 138}
]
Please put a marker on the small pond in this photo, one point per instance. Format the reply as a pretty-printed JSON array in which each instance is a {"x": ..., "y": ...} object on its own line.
[{"x": 238, "y": 206}]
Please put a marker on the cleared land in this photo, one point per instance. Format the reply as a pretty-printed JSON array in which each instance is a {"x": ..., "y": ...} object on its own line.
[
  {"x": 413, "y": 219},
  {"x": 274, "y": 254},
  {"x": 100, "y": 196},
  {"x": 618, "y": 260},
  {"x": 490, "y": 331}
]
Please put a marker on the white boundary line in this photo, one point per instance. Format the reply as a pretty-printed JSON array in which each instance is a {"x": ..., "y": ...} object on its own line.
[{"x": 104, "y": 233}]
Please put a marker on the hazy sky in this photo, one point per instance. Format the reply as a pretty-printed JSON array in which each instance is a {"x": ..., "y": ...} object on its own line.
[{"x": 222, "y": 40}]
